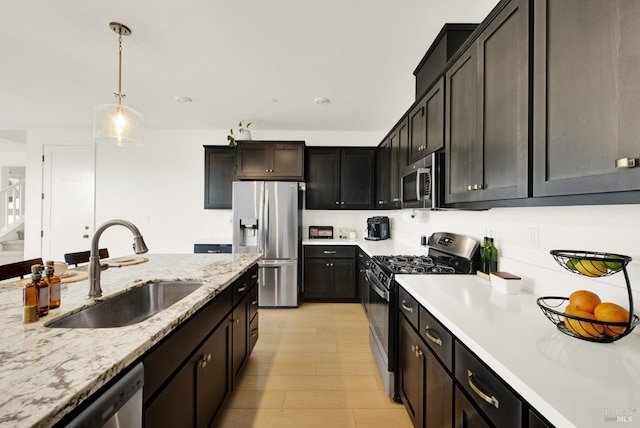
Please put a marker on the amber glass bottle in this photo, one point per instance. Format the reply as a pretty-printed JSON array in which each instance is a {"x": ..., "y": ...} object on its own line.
[
  {"x": 43, "y": 290},
  {"x": 30, "y": 300},
  {"x": 54, "y": 286}
]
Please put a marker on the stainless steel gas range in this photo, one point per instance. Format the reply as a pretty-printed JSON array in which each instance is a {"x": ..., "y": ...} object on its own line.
[{"x": 448, "y": 253}]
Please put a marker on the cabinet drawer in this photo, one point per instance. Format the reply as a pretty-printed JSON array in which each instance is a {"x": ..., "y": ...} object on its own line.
[
  {"x": 242, "y": 286},
  {"x": 253, "y": 332},
  {"x": 437, "y": 337},
  {"x": 487, "y": 390},
  {"x": 408, "y": 306},
  {"x": 330, "y": 251},
  {"x": 253, "y": 302}
]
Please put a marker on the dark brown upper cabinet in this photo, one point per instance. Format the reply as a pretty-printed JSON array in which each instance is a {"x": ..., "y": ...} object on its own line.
[
  {"x": 426, "y": 124},
  {"x": 268, "y": 160},
  {"x": 586, "y": 97},
  {"x": 340, "y": 178},
  {"x": 486, "y": 120},
  {"x": 218, "y": 176}
]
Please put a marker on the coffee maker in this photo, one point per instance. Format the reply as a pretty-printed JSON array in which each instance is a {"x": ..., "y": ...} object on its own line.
[{"x": 377, "y": 228}]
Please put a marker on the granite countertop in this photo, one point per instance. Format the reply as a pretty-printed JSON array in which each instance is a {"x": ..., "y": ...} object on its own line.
[
  {"x": 45, "y": 373},
  {"x": 572, "y": 382}
]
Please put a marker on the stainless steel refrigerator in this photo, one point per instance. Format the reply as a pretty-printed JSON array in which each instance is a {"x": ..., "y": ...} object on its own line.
[{"x": 267, "y": 219}]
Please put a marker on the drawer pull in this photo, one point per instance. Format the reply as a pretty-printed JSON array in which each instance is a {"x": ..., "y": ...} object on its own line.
[
  {"x": 406, "y": 308},
  {"x": 414, "y": 348},
  {"x": 432, "y": 338},
  {"x": 205, "y": 359},
  {"x": 254, "y": 276},
  {"x": 255, "y": 302},
  {"x": 241, "y": 289},
  {"x": 213, "y": 251},
  {"x": 329, "y": 252},
  {"x": 626, "y": 163},
  {"x": 489, "y": 399}
]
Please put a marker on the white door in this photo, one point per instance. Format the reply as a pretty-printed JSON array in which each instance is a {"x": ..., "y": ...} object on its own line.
[{"x": 68, "y": 200}]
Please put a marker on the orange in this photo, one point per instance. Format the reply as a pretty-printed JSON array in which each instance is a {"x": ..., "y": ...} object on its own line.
[
  {"x": 583, "y": 328},
  {"x": 610, "y": 312},
  {"x": 584, "y": 300}
]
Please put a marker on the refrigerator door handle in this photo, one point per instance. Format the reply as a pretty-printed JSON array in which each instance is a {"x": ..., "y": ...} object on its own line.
[
  {"x": 266, "y": 220},
  {"x": 261, "y": 222}
]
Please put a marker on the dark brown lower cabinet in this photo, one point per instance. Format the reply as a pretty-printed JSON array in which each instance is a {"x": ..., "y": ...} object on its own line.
[
  {"x": 190, "y": 374},
  {"x": 425, "y": 386},
  {"x": 195, "y": 394},
  {"x": 330, "y": 273},
  {"x": 466, "y": 415}
]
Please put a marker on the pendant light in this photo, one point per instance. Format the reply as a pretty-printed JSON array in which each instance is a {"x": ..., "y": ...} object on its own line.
[{"x": 117, "y": 124}]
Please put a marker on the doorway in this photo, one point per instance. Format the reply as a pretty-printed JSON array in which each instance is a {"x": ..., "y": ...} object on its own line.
[{"x": 68, "y": 200}]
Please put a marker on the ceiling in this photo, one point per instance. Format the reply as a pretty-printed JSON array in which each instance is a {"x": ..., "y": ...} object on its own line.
[{"x": 263, "y": 61}]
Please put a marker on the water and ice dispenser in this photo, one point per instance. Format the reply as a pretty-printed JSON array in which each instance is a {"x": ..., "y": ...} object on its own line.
[{"x": 249, "y": 232}]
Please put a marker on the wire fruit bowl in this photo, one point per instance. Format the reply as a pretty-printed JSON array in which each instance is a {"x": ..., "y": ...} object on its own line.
[
  {"x": 590, "y": 264},
  {"x": 553, "y": 308}
]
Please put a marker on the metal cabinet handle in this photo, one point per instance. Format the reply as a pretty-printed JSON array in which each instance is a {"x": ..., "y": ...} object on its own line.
[
  {"x": 419, "y": 353},
  {"x": 432, "y": 338},
  {"x": 414, "y": 348},
  {"x": 254, "y": 302},
  {"x": 237, "y": 320},
  {"x": 213, "y": 251},
  {"x": 626, "y": 163},
  {"x": 266, "y": 170},
  {"x": 329, "y": 252},
  {"x": 326, "y": 264},
  {"x": 337, "y": 203},
  {"x": 241, "y": 289},
  {"x": 342, "y": 203},
  {"x": 205, "y": 359},
  {"x": 406, "y": 308},
  {"x": 489, "y": 399},
  {"x": 254, "y": 276},
  {"x": 396, "y": 199}
]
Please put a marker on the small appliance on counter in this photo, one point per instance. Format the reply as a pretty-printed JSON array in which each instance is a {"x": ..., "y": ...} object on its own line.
[{"x": 377, "y": 228}]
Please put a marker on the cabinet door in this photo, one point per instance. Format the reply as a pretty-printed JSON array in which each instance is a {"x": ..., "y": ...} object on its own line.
[
  {"x": 466, "y": 415},
  {"x": 399, "y": 144},
  {"x": 426, "y": 124},
  {"x": 318, "y": 279},
  {"x": 462, "y": 148},
  {"x": 213, "y": 375},
  {"x": 253, "y": 160},
  {"x": 344, "y": 279},
  {"x": 175, "y": 405},
  {"x": 357, "y": 178},
  {"x": 586, "y": 96},
  {"x": 503, "y": 115},
  {"x": 240, "y": 336},
  {"x": 287, "y": 161},
  {"x": 219, "y": 172},
  {"x": 323, "y": 179},
  {"x": 411, "y": 363},
  {"x": 438, "y": 410},
  {"x": 383, "y": 174}
]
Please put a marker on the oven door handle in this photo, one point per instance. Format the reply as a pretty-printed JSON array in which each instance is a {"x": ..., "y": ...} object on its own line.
[{"x": 377, "y": 287}]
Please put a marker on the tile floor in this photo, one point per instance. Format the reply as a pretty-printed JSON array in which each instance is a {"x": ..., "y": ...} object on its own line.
[{"x": 312, "y": 367}]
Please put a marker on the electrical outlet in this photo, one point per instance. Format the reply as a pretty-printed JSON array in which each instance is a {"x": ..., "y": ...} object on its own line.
[{"x": 533, "y": 238}]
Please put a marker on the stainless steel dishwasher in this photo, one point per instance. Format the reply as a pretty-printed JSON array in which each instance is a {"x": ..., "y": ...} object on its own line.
[{"x": 120, "y": 406}]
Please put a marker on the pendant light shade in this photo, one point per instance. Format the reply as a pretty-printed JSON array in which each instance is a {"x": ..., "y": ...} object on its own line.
[{"x": 117, "y": 124}]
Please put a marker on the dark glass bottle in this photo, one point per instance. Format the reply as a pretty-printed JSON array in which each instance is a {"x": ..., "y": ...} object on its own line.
[
  {"x": 493, "y": 256},
  {"x": 485, "y": 256}
]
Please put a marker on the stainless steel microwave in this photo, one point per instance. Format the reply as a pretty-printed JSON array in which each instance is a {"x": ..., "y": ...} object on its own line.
[{"x": 420, "y": 186}]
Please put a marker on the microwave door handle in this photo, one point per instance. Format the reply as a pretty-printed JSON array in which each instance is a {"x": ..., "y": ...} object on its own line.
[{"x": 418, "y": 198}]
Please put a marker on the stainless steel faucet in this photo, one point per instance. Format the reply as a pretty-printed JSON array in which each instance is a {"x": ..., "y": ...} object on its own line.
[{"x": 94, "y": 259}]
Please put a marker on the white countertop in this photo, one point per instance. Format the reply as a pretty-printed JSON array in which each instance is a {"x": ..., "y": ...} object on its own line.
[
  {"x": 45, "y": 373},
  {"x": 572, "y": 382}
]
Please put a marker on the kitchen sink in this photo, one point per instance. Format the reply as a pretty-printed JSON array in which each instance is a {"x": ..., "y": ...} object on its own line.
[{"x": 130, "y": 307}]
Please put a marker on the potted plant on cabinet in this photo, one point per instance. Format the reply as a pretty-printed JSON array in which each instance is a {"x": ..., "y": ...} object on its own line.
[{"x": 242, "y": 133}]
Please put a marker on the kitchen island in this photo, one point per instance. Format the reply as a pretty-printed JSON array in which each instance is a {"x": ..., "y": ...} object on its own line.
[{"x": 45, "y": 373}]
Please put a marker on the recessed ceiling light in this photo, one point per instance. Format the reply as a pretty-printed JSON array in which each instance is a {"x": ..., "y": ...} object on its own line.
[
  {"x": 183, "y": 99},
  {"x": 321, "y": 100},
  {"x": 274, "y": 100}
]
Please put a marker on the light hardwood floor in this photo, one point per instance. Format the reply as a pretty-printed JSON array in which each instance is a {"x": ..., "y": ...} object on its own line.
[{"x": 312, "y": 367}]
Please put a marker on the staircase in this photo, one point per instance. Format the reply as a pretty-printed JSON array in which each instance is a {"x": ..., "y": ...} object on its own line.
[{"x": 12, "y": 223}]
